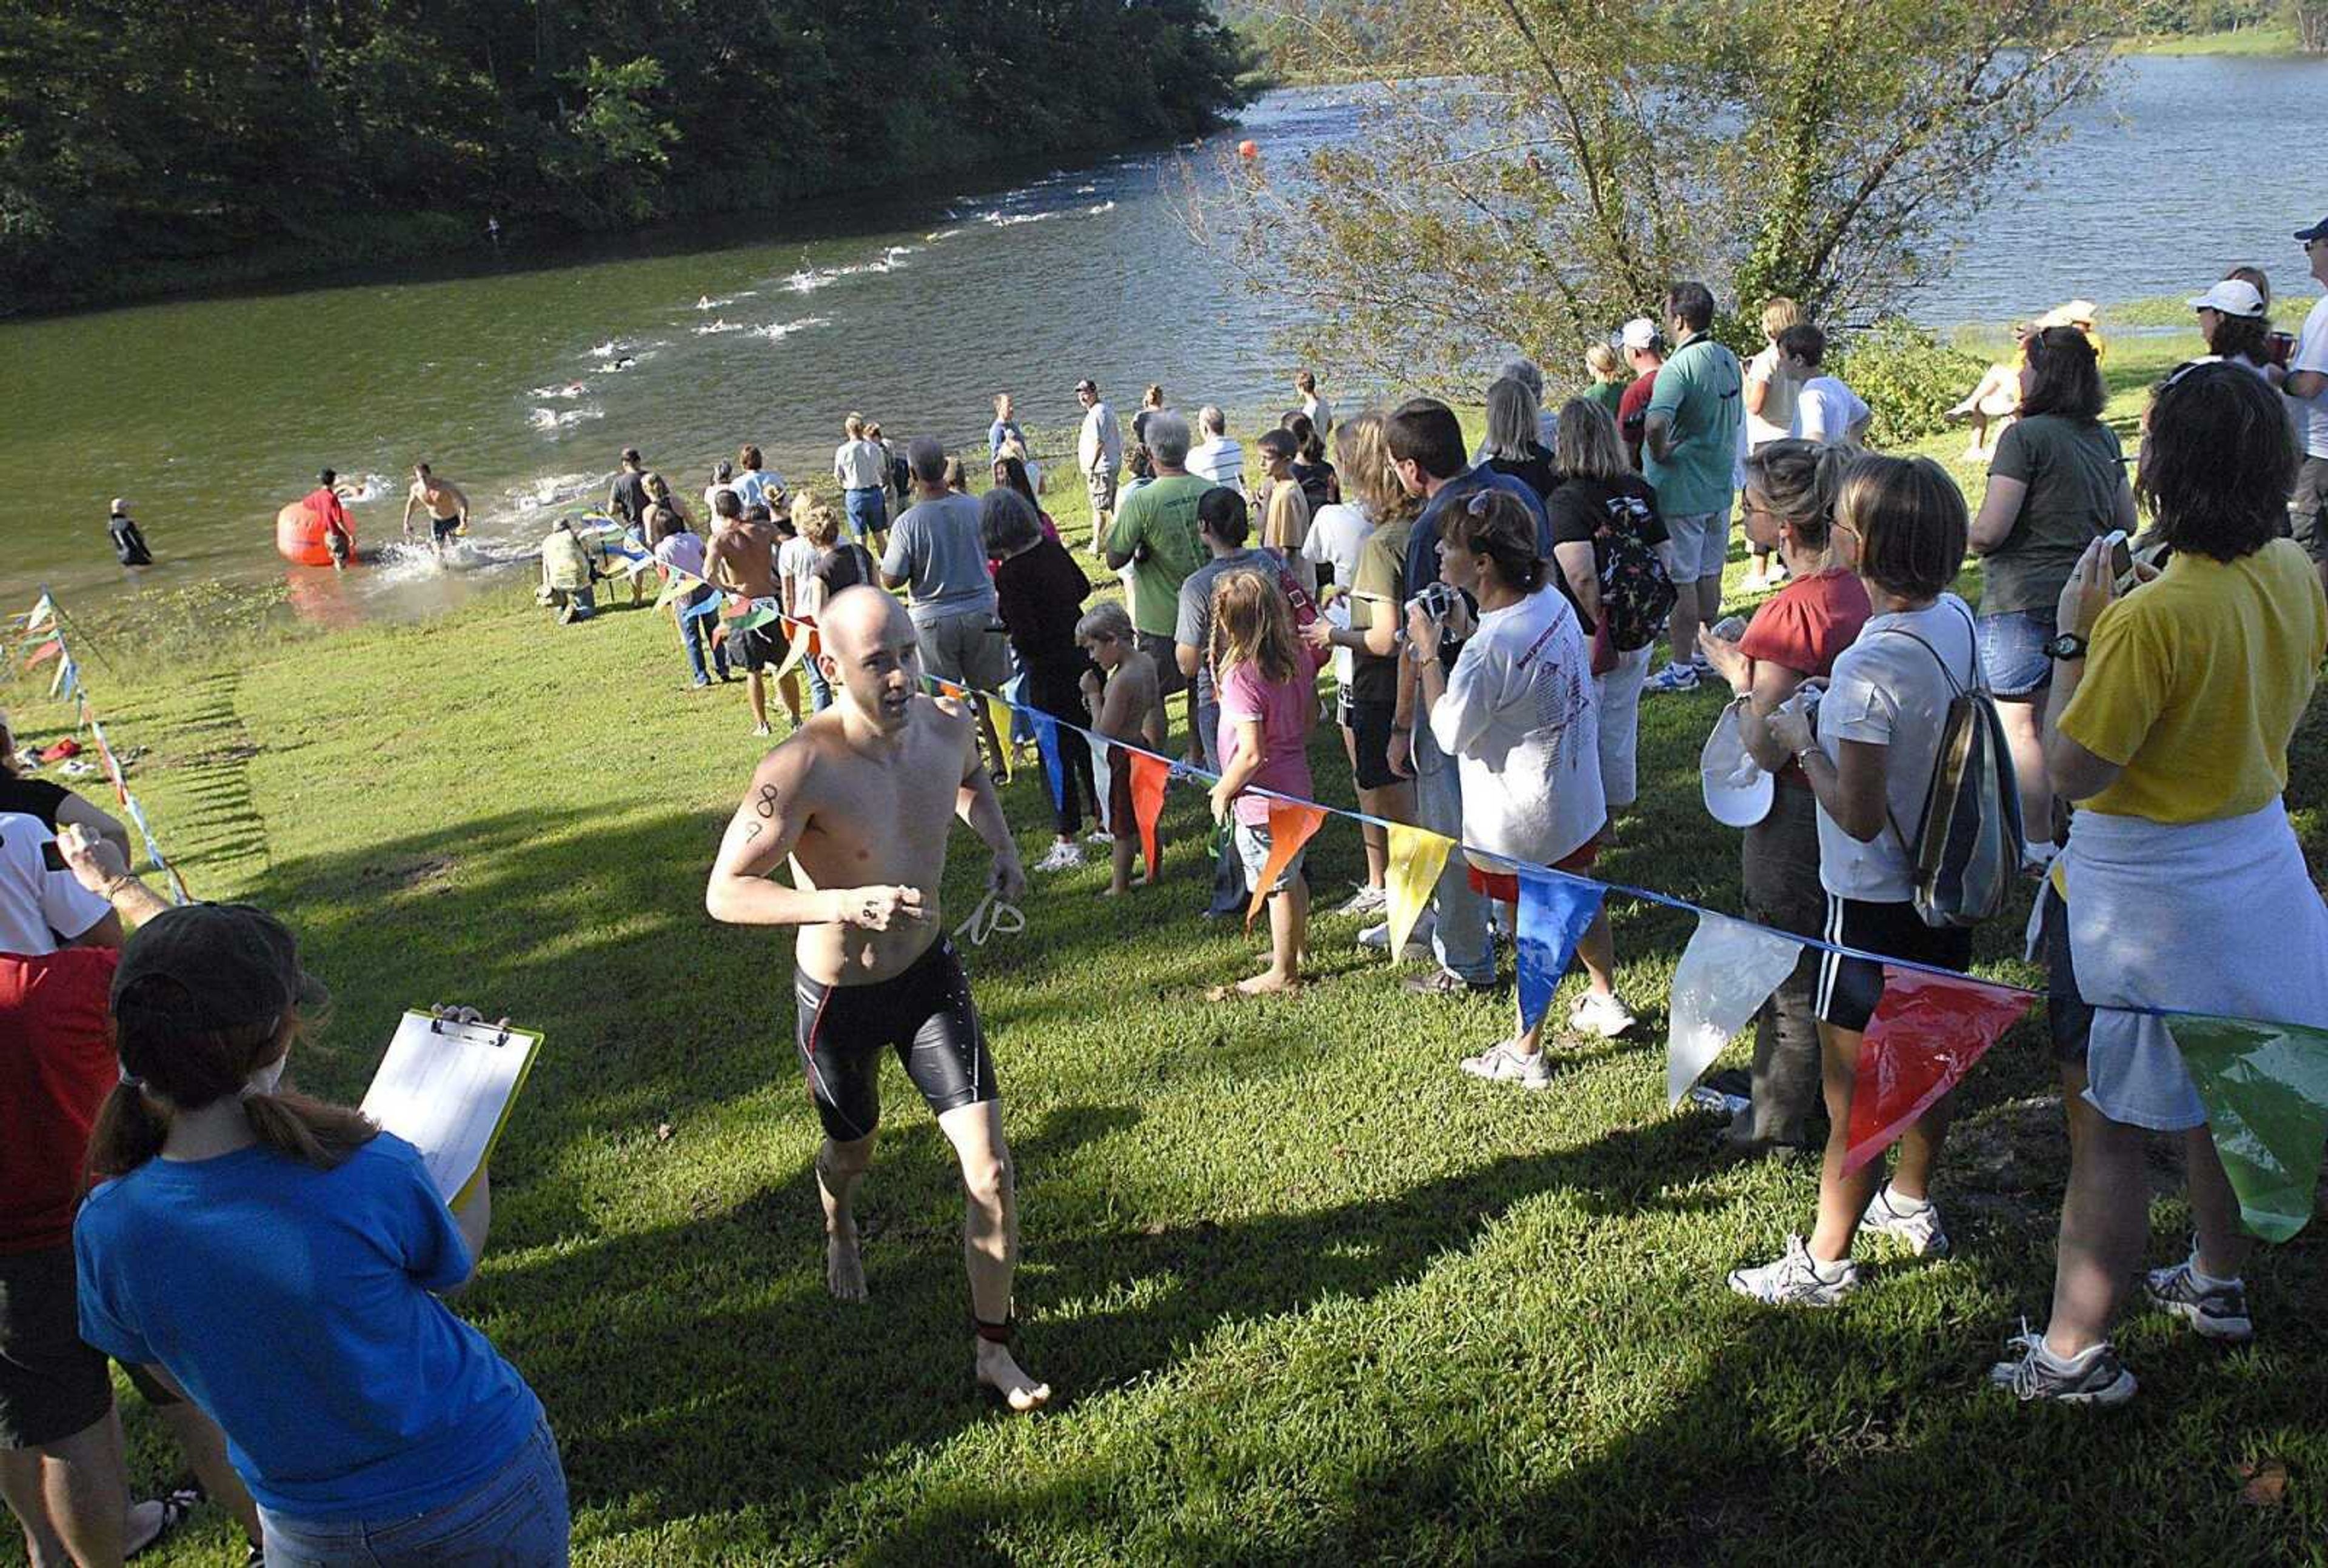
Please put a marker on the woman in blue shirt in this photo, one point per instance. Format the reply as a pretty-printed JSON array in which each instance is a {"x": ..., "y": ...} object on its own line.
[{"x": 281, "y": 1259}]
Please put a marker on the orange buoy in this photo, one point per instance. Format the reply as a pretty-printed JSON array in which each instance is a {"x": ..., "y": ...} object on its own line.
[
  {"x": 1248, "y": 149},
  {"x": 299, "y": 535}
]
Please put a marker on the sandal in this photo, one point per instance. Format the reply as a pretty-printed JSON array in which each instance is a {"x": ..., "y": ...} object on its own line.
[{"x": 175, "y": 1506}]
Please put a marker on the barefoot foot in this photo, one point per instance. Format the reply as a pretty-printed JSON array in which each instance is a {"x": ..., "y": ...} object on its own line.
[
  {"x": 844, "y": 1270},
  {"x": 999, "y": 1370}
]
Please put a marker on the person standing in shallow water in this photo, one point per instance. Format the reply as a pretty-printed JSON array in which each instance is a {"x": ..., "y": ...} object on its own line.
[
  {"x": 859, "y": 800},
  {"x": 128, "y": 539}
]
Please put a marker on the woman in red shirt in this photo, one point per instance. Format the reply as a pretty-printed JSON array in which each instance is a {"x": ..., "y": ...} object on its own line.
[{"x": 1795, "y": 637}]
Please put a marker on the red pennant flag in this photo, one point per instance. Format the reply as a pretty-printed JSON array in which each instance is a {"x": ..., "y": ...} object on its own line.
[
  {"x": 1149, "y": 776},
  {"x": 43, "y": 653},
  {"x": 1927, "y": 1033},
  {"x": 1289, "y": 827}
]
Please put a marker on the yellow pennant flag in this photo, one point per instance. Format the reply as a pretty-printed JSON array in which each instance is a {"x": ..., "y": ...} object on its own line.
[
  {"x": 999, "y": 711},
  {"x": 1416, "y": 859}
]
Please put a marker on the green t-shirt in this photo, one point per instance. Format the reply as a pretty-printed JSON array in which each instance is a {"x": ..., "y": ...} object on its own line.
[
  {"x": 1610, "y": 395},
  {"x": 1157, "y": 527},
  {"x": 1700, "y": 387},
  {"x": 2074, "y": 469}
]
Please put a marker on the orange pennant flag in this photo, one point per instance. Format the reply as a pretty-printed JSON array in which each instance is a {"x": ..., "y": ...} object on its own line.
[
  {"x": 43, "y": 653},
  {"x": 1149, "y": 776},
  {"x": 1289, "y": 828}
]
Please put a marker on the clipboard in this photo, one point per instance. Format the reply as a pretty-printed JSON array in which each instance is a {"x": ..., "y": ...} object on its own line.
[{"x": 446, "y": 1089}]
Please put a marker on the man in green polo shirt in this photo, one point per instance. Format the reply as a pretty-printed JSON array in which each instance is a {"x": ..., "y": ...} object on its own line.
[
  {"x": 1155, "y": 536},
  {"x": 1690, "y": 453}
]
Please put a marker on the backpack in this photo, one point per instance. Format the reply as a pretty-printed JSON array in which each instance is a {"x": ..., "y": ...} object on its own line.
[
  {"x": 1636, "y": 594},
  {"x": 1967, "y": 852}
]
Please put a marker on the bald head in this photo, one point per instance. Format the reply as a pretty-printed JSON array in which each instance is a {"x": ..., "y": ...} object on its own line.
[
  {"x": 871, "y": 656},
  {"x": 860, "y": 618}
]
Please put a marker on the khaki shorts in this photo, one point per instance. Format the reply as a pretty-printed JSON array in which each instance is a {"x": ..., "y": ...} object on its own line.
[
  {"x": 1103, "y": 493},
  {"x": 968, "y": 649}
]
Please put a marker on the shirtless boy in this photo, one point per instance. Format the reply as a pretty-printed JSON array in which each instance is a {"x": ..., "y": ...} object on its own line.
[
  {"x": 742, "y": 556},
  {"x": 1127, "y": 708},
  {"x": 447, "y": 508},
  {"x": 860, "y": 799}
]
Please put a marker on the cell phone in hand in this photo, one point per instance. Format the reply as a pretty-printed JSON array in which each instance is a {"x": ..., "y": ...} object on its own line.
[
  {"x": 53, "y": 856},
  {"x": 2121, "y": 558}
]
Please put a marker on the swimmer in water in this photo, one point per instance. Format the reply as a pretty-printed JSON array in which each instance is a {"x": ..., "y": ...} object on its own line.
[
  {"x": 447, "y": 508},
  {"x": 128, "y": 539},
  {"x": 323, "y": 500}
]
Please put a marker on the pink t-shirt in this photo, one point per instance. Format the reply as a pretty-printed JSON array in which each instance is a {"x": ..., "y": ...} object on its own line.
[{"x": 1284, "y": 709}]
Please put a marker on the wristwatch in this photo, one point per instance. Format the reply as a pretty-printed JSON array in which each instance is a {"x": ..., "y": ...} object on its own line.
[{"x": 2067, "y": 645}]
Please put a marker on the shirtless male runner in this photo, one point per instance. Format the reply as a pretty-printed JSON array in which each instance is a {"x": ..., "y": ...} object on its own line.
[
  {"x": 742, "y": 556},
  {"x": 860, "y": 798},
  {"x": 448, "y": 508}
]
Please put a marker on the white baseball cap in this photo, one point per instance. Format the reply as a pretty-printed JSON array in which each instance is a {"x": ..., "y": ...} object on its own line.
[
  {"x": 1639, "y": 332},
  {"x": 119, "y": 504},
  {"x": 1738, "y": 793},
  {"x": 2232, "y": 297}
]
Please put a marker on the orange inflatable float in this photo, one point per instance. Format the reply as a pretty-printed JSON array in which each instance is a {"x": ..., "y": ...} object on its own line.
[{"x": 299, "y": 535}]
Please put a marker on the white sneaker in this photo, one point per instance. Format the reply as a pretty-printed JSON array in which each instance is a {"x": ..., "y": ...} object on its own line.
[
  {"x": 1365, "y": 901},
  {"x": 1099, "y": 836},
  {"x": 1418, "y": 941},
  {"x": 1061, "y": 858},
  {"x": 1499, "y": 1062},
  {"x": 1604, "y": 1016},
  {"x": 1798, "y": 1279},
  {"x": 1919, "y": 1227}
]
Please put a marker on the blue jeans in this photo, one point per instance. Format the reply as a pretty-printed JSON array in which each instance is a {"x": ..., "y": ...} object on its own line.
[
  {"x": 1461, "y": 939},
  {"x": 516, "y": 1515},
  {"x": 695, "y": 626},
  {"x": 868, "y": 512}
]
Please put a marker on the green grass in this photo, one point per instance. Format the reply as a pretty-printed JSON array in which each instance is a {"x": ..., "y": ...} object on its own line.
[
  {"x": 1307, "y": 1294},
  {"x": 2277, "y": 38}
]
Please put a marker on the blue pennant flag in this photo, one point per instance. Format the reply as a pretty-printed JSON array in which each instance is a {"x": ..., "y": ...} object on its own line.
[
  {"x": 1553, "y": 913},
  {"x": 1046, "y": 742}
]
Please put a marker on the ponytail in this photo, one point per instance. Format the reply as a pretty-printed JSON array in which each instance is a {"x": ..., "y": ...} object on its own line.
[
  {"x": 310, "y": 1131},
  {"x": 128, "y": 1132}
]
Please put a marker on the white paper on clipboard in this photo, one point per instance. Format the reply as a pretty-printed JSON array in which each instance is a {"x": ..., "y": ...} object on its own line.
[{"x": 446, "y": 1089}]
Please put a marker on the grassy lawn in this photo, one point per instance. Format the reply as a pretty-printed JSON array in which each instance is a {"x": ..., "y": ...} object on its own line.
[
  {"x": 1308, "y": 1293},
  {"x": 2277, "y": 38}
]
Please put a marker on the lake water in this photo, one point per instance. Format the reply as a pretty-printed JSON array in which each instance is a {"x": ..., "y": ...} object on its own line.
[{"x": 208, "y": 415}]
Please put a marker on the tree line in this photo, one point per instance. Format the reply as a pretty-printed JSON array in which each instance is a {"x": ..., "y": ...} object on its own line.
[{"x": 140, "y": 135}]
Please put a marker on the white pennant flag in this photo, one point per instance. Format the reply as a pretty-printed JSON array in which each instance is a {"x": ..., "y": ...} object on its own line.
[
  {"x": 1102, "y": 781},
  {"x": 1726, "y": 973}
]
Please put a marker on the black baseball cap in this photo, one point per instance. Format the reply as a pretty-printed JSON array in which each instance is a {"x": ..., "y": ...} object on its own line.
[
  {"x": 2317, "y": 231},
  {"x": 1086, "y": 385},
  {"x": 202, "y": 967}
]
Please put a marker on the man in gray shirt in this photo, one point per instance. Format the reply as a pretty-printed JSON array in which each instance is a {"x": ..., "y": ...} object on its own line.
[{"x": 935, "y": 555}]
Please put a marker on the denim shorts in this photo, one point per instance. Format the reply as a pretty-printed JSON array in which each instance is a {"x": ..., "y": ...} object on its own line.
[
  {"x": 516, "y": 1515},
  {"x": 1253, "y": 846},
  {"x": 1700, "y": 543},
  {"x": 2013, "y": 652}
]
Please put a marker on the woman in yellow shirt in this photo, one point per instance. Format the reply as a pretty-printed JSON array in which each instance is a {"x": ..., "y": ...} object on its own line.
[{"x": 2168, "y": 725}]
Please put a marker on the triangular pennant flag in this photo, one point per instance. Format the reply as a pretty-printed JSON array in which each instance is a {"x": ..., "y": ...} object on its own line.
[
  {"x": 754, "y": 617},
  {"x": 1554, "y": 910},
  {"x": 949, "y": 689},
  {"x": 1416, "y": 859},
  {"x": 1055, "y": 767},
  {"x": 672, "y": 590},
  {"x": 1927, "y": 1032},
  {"x": 2266, "y": 1090},
  {"x": 1103, "y": 783},
  {"x": 43, "y": 611},
  {"x": 1149, "y": 775},
  {"x": 795, "y": 649},
  {"x": 1725, "y": 974},
  {"x": 999, "y": 712},
  {"x": 43, "y": 653},
  {"x": 68, "y": 680},
  {"x": 1289, "y": 828}
]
